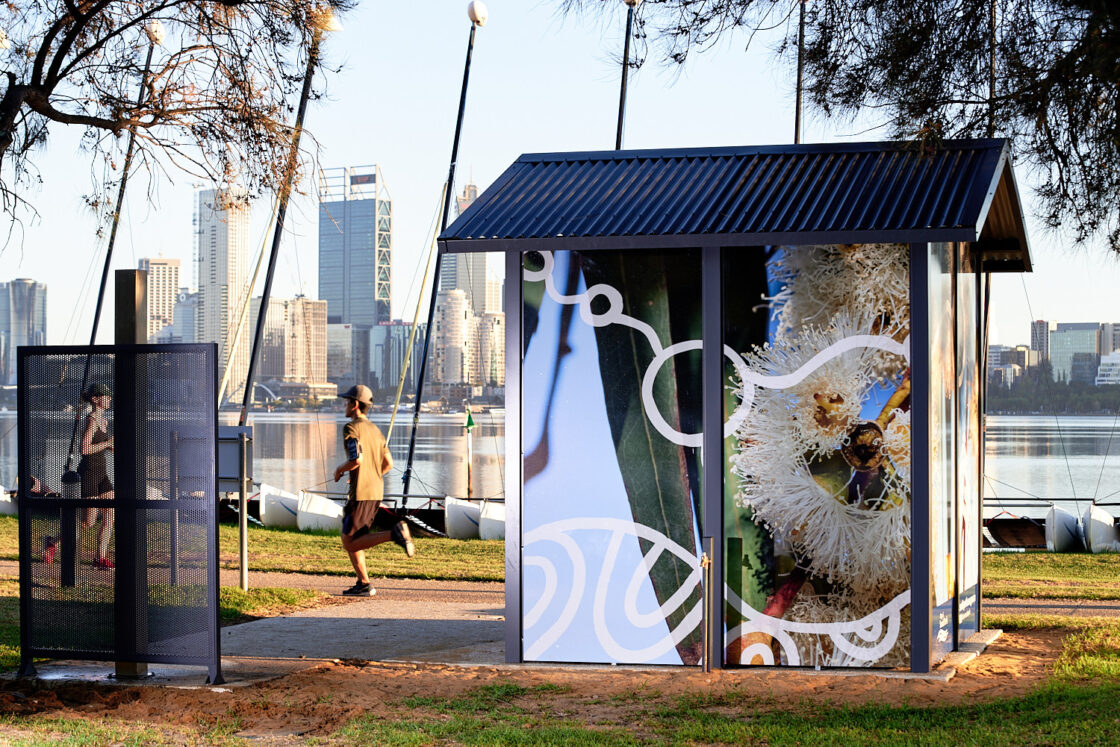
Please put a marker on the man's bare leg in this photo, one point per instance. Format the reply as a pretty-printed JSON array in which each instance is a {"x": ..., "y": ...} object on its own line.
[{"x": 355, "y": 548}]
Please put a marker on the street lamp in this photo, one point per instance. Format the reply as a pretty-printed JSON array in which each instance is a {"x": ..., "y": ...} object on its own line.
[
  {"x": 321, "y": 20},
  {"x": 476, "y": 12},
  {"x": 630, "y": 6},
  {"x": 155, "y": 33}
]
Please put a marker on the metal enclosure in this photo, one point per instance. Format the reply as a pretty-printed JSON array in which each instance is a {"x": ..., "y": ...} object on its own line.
[
  {"x": 663, "y": 305},
  {"x": 156, "y": 600}
]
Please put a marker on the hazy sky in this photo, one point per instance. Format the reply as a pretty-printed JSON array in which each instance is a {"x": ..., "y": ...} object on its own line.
[{"x": 539, "y": 82}]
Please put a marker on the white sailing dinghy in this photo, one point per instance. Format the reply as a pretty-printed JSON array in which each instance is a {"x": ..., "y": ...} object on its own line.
[
  {"x": 461, "y": 518},
  {"x": 316, "y": 512},
  {"x": 1062, "y": 532},
  {"x": 492, "y": 521},
  {"x": 278, "y": 508},
  {"x": 1100, "y": 530}
]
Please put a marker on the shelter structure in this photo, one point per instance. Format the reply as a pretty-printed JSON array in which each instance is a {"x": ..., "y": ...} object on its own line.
[{"x": 757, "y": 365}]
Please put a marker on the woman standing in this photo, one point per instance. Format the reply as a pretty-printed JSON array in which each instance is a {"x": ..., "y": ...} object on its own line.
[{"x": 93, "y": 468}]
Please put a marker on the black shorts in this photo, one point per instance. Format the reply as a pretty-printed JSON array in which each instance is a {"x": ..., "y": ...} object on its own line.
[
  {"x": 92, "y": 487},
  {"x": 358, "y": 518}
]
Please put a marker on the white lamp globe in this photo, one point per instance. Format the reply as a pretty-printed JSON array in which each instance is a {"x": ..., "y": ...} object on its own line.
[
  {"x": 155, "y": 31},
  {"x": 477, "y": 12}
]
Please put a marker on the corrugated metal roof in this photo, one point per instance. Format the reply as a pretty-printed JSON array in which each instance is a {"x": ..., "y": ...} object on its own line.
[{"x": 851, "y": 192}]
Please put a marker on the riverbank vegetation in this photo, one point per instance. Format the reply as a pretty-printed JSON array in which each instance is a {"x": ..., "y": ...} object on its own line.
[{"x": 1036, "y": 393}]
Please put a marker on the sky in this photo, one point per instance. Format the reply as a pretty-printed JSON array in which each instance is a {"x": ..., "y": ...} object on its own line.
[{"x": 540, "y": 81}]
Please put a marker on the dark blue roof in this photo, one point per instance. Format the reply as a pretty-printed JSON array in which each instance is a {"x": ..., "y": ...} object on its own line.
[{"x": 850, "y": 192}]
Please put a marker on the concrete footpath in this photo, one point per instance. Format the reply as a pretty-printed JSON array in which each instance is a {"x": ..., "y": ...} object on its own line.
[{"x": 447, "y": 622}]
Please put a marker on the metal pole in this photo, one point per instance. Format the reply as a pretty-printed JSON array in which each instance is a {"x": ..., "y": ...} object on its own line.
[
  {"x": 285, "y": 193},
  {"x": 435, "y": 276},
  {"x": 992, "y": 69},
  {"x": 243, "y": 510},
  {"x": 625, "y": 69},
  {"x": 173, "y": 497},
  {"x": 800, "y": 74}
]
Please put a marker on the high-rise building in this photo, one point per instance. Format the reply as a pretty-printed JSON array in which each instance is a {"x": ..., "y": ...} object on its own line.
[
  {"x": 387, "y": 347},
  {"x": 1110, "y": 337},
  {"x": 999, "y": 355},
  {"x": 163, "y": 292},
  {"x": 222, "y": 226},
  {"x": 1024, "y": 357},
  {"x": 185, "y": 325},
  {"x": 1040, "y": 338},
  {"x": 23, "y": 321},
  {"x": 1108, "y": 373},
  {"x": 348, "y": 355},
  {"x": 455, "y": 339},
  {"x": 294, "y": 346},
  {"x": 355, "y": 246},
  {"x": 473, "y": 273},
  {"x": 1075, "y": 351},
  {"x": 492, "y": 349}
]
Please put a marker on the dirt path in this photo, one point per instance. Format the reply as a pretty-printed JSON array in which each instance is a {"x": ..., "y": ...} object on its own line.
[{"x": 317, "y": 701}]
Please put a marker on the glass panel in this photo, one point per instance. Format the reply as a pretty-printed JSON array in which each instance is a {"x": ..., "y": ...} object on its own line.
[
  {"x": 942, "y": 445},
  {"x": 820, "y": 457},
  {"x": 969, "y": 443},
  {"x": 611, "y": 398}
]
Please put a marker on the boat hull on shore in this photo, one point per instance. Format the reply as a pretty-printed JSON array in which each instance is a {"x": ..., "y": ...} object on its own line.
[
  {"x": 1100, "y": 530},
  {"x": 1062, "y": 531}
]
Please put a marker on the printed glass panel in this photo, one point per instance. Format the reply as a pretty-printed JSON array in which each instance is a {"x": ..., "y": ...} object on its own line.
[
  {"x": 969, "y": 444},
  {"x": 611, "y": 403},
  {"x": 942, "y": 446},
  {"x": 820, "y": 458}
]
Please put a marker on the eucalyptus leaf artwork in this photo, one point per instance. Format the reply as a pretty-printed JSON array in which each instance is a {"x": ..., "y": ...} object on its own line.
[{"x": 659, "y": 290}]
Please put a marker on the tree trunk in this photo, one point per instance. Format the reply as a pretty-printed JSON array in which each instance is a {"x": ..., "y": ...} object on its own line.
[{"x": 10, "y": 105}]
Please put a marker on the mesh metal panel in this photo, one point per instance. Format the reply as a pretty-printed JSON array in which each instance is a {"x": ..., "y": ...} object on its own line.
[{"x": 154, "y": 492}]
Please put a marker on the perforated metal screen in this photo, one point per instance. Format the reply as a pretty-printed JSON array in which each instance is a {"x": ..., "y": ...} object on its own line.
[{"x": 148, "y": 591}]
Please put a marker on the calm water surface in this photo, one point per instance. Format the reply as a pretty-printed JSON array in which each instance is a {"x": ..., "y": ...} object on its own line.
[
  {"x": 1029, "y": 459},
  {"x": 296, "y": 450}
]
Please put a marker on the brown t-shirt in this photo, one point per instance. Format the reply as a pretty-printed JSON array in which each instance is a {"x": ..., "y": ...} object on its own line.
[{"x": 374, "y": 460}]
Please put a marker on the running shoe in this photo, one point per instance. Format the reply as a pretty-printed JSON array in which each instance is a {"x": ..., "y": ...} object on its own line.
[
  {"x": 403, "y": 537},
  {"x": 104, "y": 563},
  {"x": 359, "y": 590}
]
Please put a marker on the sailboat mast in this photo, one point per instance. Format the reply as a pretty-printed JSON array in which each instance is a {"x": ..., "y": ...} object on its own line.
[{"x": 477, "y": 13}]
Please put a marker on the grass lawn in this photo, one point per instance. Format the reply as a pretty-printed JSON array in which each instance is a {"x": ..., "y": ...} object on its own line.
[
  {"x": 1043, "y": 575},
  {"x": 290, "y": 551}
]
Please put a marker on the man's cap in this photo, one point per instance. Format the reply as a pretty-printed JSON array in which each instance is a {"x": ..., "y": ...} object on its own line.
[
  {"x": 359, "y": 393},
  {"x": 97, "y": 390}
]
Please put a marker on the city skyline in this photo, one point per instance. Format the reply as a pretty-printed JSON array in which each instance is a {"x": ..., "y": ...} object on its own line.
[{"x": 406, "y": 129}]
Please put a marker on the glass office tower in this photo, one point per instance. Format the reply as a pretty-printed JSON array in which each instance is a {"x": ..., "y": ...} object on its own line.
[{"x": 355, "y": 245}]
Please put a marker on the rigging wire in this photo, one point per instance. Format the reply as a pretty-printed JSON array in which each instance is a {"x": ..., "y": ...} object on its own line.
[
  {"x": 243, "y": 315},
  {"x": 416, "y": 317},
  {"x": 1057, "y": 422}
]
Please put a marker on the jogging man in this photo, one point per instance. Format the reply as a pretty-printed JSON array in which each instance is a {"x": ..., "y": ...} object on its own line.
[{"x": 367, "y": 461}]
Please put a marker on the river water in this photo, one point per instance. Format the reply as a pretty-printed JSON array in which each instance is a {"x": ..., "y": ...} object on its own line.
[
  {"x": 1033, "y": 460},
  {"x": 1029, "y": 460},
  {"x": 299, "y": 450}
]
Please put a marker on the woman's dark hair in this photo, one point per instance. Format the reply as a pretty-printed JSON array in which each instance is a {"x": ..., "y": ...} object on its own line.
[{"x": 96, "y": 390}]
